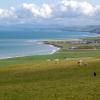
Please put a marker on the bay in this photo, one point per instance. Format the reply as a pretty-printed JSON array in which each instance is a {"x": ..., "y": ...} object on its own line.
[{"x": 27, "y": 42}]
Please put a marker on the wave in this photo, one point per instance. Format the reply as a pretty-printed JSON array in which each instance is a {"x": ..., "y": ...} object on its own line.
[{"x": 46, "y": 49}]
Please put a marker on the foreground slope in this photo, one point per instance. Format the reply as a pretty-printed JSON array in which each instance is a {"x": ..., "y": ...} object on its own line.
[{"x": 49, "y": 80}]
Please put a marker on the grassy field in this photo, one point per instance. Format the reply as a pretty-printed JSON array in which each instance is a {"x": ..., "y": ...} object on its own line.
[
  {"x": 51, "y": 81},
  {"x": 61, "y": 54},
  {"x": 44, "y": 78},
  {"x": 26, "y": 78}
]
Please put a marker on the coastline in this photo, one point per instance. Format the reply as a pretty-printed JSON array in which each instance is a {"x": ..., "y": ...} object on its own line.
[{"x": 53, "y": 47}]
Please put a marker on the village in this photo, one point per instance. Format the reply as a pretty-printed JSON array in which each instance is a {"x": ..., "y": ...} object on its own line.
[{"x": 86, "y": 43}]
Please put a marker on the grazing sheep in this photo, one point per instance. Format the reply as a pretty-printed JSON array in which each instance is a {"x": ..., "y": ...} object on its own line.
[
  {"x": 82, "y": 63},
  {"x": 95, "y": 74},
  {"x": 48, "y": 60},
  {"x": 56, "y": 60}
]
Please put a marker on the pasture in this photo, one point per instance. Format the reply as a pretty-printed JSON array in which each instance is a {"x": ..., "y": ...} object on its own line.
[{"x": 49, "y": 80}]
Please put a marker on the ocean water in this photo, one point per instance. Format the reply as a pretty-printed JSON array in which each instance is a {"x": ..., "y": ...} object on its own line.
[
  {"x": 42, "y": 34},
  {"x": 23, "y": 47},
  {"x": 27, "y": 43}
]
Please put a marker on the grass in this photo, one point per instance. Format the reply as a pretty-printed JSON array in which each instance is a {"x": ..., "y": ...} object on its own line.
[
  {"x": 50, "y": 80},
  {"x": 62, "y": 54}
]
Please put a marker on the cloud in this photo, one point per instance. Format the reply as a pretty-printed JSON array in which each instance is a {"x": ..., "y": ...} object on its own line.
[
  {"x": 43, "y": 11},
  {"x": 7, "y": 13},
  {"x": 72, "y": 8},
  {"x": 65, "y": 9}
]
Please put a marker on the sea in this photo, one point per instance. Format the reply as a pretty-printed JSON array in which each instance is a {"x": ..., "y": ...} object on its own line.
[{"x": 29, "y": 42}]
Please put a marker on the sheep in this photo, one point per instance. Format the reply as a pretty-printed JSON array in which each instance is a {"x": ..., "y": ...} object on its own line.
[
  {"x": 48, "y": 60},
  {"x": 56, "y": 60},
  {"x": 81, "y": 63},
  {"x": 95, "y": 74}
]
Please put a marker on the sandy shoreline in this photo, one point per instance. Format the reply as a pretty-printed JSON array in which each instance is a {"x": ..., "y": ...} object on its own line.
[{"x": 40, "y": 42}]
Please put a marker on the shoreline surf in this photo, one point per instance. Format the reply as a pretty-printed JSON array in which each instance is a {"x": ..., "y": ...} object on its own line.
[{"x": 54, "y": 49}]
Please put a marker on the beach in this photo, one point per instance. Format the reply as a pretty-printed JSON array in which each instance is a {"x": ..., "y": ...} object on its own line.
[{"x": 24, "y": 47}]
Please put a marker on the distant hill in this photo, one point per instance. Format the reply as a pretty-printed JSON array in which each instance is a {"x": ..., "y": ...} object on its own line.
[
  {"x": 89, "y": 28},
  {"x": 30, "y": 27}
]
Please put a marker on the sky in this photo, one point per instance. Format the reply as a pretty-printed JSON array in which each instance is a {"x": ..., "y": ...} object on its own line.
[
  {"x": 8, "y": 3},
  {"x": 50, "y": 11}
]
